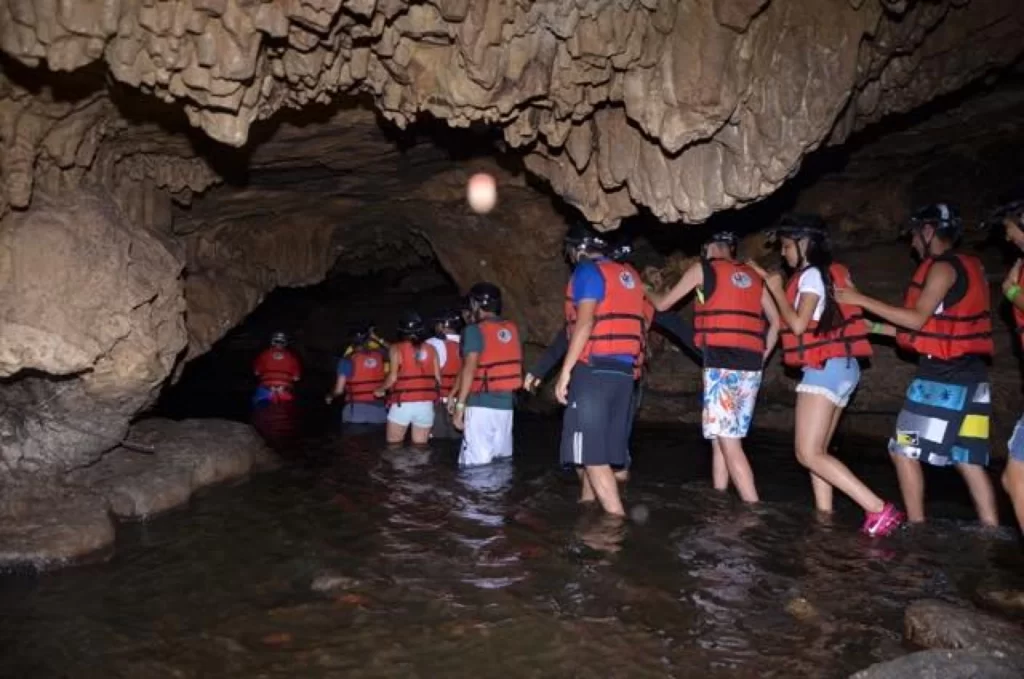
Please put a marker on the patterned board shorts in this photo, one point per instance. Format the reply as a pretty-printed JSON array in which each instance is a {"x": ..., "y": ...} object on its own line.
[
  {"x": 729, "y": 399},
  {"x": 944, "y": 424},
  {"x": 1016, "y": 444}
]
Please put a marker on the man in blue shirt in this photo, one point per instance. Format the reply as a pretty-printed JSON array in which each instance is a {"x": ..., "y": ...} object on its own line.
[
  {"x": 605, "y": 315},
  {"x": 361, "y": 372}
]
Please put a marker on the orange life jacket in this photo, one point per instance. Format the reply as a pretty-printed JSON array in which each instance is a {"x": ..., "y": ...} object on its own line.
[
  {"x": 277, "y": 367},
  {"x": 416, "y": 381},
  {"x": 619, "y": 325},
  {"x": 847, "y": 339},
  {"x": 452, "y": 366},
  {"x": 961, "y": 329},
  {"x": 369, "y": 370},
  {"x": 641, "y": 360},
  {"x": 1018, "y": 315},
  {"x": 499, "y": 368},
  {"x": 730, "y": 315}
]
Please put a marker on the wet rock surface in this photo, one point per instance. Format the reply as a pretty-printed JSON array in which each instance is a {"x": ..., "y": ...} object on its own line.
[
  {"x": 938, "y": 664},
  {"x": 935, "y": 624},
  {"x": 47, "y": 524}
]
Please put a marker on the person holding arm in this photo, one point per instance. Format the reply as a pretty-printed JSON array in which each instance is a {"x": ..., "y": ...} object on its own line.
[
  {"x": 737, "y": 326},
  {"x": 483, "y": 405},
  {"x": 359, "y": 375},
  {"x": 412, "y": 384},
  {"x": 825, "y": 339}
]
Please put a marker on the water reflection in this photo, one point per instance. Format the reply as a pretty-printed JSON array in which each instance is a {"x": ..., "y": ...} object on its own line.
[{"x": 382, "y": 563}]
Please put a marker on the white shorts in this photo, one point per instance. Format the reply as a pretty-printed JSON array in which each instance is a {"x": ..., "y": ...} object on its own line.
[
  {"x": 419, "y": 414},
  {"x": 486, "y": 437}
]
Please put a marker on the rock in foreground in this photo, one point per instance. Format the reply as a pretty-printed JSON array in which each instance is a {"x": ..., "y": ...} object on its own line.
[
  {"x": 46, "y": 526},
  {"x": 934, "y": 624},
  {"x": 939, "y": 664}
]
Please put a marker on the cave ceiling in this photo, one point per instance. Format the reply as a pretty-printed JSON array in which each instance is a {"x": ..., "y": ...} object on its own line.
[{"x": 684, "y": 107}]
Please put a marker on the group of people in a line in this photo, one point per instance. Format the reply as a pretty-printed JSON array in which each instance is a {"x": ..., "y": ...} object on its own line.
[{"x": 462, "y": 374}]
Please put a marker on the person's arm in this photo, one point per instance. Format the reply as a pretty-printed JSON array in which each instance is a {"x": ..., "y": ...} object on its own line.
[
  {"x": 437, "y": 367},
  {"x": 389, "y": 381},
  {"x": 692, "y": 278},
  {"x": 771, "y": 312},
  {"x": 1011, "y": 286},
  {"x": 554, "y": 352},
  {"x": 580, "y": 336},
  {"x": 339, "y": 385},
  {"x": 937, "y": 284},
  {"x": 796, "y": 319}
]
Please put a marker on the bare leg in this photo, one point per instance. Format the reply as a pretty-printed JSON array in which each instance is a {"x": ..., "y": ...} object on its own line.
[
  {"x": 911, "y": 486},
  {"x": 814, "y": 416},
  {"x": 1013, "y": 482},
  {"x": 822, "y": 488},
  {"x": 396, "y": 433},
  {"x": 740, "y": 473},
  {"x": 586, "y": 489},
  {"x": 420, "y": 435},
  {"x": 982, "y": 493},
  {"x": 719, "y": 471},
  {"x": 622, "y": 475},
  {"x": 602, "y": 480}
]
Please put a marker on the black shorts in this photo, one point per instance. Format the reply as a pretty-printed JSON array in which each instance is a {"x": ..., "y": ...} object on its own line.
[{"x": 597, "y": 421}]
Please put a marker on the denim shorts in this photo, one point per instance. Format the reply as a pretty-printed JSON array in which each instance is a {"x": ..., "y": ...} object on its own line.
[
  {"x": 836, "y": 380},
  {"x": 419, "y": 414},
  {"x": 1016, "y": 444}
]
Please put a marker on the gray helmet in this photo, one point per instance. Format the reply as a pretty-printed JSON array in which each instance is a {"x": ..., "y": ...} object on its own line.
[
  {"x": 942, "y": 216},
  {"x": 279, "y": 339}
]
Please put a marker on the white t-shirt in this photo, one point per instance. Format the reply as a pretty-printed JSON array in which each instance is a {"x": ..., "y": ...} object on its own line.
[
  {"x": 442, "y": 349},
  {"x": 811, "y": 282}
]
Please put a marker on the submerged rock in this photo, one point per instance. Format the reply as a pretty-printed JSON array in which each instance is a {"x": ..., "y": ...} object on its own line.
[
  {"x": 940, "y": 664},
  {"x": 52, "y": 524},
  {"x": 934, "y": 624}
]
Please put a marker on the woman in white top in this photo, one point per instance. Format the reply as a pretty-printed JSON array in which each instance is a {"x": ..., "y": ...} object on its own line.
[{"x": 825, "y": 389}]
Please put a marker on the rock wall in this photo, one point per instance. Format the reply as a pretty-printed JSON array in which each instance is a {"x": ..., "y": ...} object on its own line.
[
  {"x": 92, "y": 325},
  {"x": 684, "y": 107}
]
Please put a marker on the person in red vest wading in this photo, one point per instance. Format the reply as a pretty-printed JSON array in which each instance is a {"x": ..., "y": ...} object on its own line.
[
  {"x": 825, "y": 340},
  {"x": 604, "y": 313},
  {"x": 360, "y": 374},
  {"x": 413, "y": 383},
  {"x": 945, "y": 319},
  {"x": 1011, "y": 218},
  {"x": 278, "y": 369},
  {"x": 492, "y": 373},
  {"x": 736, "y": 326},
  {"x": 447, "y": 342}
]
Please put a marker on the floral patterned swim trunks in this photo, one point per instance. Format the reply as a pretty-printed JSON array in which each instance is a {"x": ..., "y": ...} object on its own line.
[{"x": 729, "y": 399}]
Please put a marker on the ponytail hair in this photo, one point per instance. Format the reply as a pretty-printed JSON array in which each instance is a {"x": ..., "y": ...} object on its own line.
[{"x": 819, "y": 255}]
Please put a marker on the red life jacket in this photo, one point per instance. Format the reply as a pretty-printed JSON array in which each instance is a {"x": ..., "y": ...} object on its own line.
[
  {"x": 499, "y": 367},
  {"x": 964, "y": 327},
  {"x": 452, "y": 366},
  {"x": 369, "y": 370},
  {"x": 619, "y": 325},
  {"x": 730, "y": 315},
  {"x": 1018, "y": 315},
  {"x": 277, "y": 367},
  {"x": 641, "y": 360},
  {"x": 847, "y": 339},
  {"x": 416, "y": 381}
]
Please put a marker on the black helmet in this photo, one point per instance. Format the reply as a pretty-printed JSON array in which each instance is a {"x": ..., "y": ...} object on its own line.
[
  {"x": 279, "y": 339},
  {"x": 726, "y": 237},
  {"x": 410, "y": 324},
  {"x": 942, "y": 216},
  {"x": 800, "y": 225},
  {"x": 450, "y": 318},
  {"x": 487, "y": 296},
  {"x": 1013, "y": 209},
  {"x": 362, "y": 334},
  {"x": 581, "y": 235}
]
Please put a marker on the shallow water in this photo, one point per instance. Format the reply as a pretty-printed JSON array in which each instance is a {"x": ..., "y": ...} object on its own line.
[{"x": 497, "y": 572}]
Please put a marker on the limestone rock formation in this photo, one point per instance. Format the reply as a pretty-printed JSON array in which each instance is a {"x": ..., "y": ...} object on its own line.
[
  {"x": 92, "y": 325},
  {"x": 167, "y": 462},
  {"x": 684, "y": 107}
]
